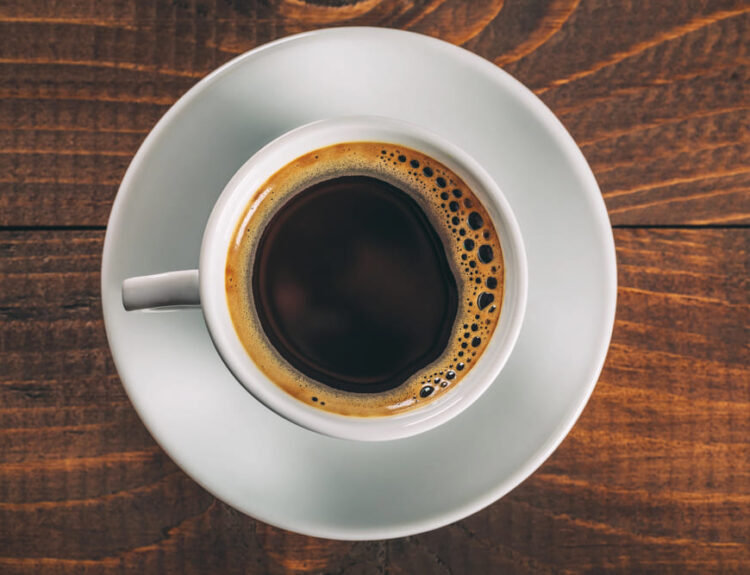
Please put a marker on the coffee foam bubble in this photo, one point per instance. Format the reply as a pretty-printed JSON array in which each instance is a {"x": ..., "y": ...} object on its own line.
[{"x": 471, "y": 245}]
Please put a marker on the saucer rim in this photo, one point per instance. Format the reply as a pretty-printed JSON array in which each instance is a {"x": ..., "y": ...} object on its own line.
[{"x": 591, "y": 192}]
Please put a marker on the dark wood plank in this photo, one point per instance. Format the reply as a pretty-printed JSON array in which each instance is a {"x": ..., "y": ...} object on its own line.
[
  {"x": 654, "y": 478},
  {"x": 654, "y": 91}
]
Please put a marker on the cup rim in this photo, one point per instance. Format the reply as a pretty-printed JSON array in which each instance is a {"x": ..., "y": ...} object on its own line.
[{"x": 220, "y": 231}]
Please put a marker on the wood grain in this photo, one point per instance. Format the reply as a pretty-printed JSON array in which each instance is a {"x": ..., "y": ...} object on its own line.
[
  {"x": 656, "y": 92},
  {"x": 655, "y": 475}
]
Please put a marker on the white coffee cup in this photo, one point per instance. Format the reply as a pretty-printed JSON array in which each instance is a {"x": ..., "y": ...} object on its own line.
[{"x": 205, "y": 287}]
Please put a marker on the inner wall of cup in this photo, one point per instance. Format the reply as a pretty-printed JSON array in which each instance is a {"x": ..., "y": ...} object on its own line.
[{"x": 443, "y": 199}]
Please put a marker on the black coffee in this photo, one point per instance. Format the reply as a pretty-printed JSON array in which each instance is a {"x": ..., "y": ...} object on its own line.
[
  {"x": 365, "y": 279},
  {"x": 352, "y": 285}
]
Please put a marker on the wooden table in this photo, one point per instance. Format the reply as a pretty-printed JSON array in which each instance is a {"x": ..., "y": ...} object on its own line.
[{"x": 654, "y": 478}]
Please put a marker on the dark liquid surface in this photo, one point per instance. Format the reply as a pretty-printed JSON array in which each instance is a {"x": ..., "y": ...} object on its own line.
[{"x": 352, "y": 285}]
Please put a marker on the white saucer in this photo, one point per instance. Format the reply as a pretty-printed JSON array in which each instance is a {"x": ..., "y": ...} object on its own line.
[{"x": 280, "y": 473}]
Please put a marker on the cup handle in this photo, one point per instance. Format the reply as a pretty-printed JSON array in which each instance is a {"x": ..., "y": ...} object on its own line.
[{"x": 180, "y": 288}]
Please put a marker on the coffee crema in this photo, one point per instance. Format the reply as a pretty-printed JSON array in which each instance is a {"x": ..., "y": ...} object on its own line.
[{"x": 365, "y": 279}]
